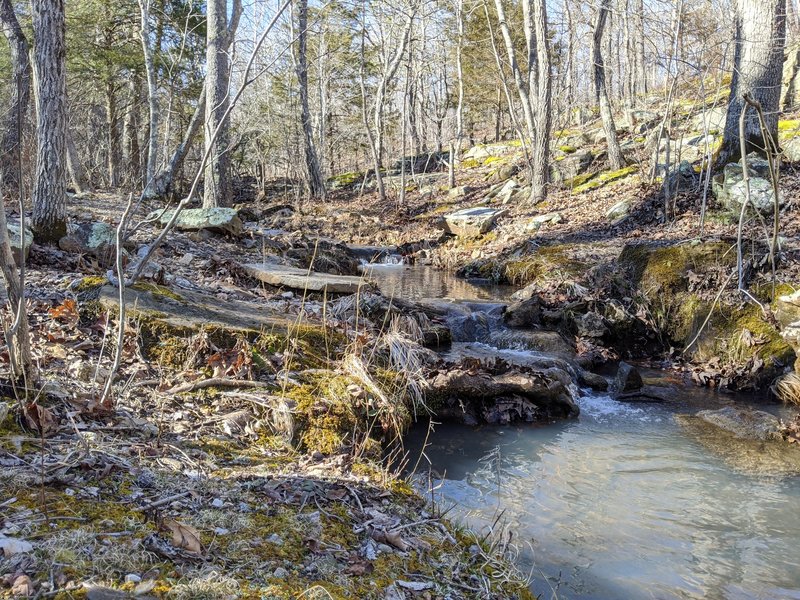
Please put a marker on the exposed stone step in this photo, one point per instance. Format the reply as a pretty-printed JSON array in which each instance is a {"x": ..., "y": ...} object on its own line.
[{"x": 302, "y": 279}]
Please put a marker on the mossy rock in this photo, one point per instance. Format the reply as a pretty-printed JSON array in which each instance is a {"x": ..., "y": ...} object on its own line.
[
  {"x": 604, "y": 178},
  {"x": 544, "y": 263},
  {"x": 661, "y": 275}
]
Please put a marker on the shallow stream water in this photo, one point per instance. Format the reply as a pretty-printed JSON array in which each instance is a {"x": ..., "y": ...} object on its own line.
[{"x": 623, "y": 502}]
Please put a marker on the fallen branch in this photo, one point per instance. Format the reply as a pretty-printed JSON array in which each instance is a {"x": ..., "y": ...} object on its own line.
[{"x": 215, "y": 382}]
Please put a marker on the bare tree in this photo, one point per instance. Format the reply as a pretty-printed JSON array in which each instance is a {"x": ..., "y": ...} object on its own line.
[
  {"x": 20, "y": 92},
  {"x": 217, "y": 188},
  {"x": 601, "y": 86},
  {"x": 49, "y": 54},
  {"x": 314, "y": 180},
  {"x": 760, "y": 35},
  {"x": 536, "y": 83}
]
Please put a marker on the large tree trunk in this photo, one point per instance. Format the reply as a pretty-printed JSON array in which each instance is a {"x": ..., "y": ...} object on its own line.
[
  {"x": 20, "y": 94},
  {"x": 314, "y": 180},
  {"x": 49, "y": 188},
  {"x": 760, "y": 35},
  {"x": 540, "y": 148},
  {"x": 601, "y": 87},
  {"x": 217, "y": 189}
]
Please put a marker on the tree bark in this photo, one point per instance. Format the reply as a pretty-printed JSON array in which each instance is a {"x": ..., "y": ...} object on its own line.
[
  {"x": 760, "y": 35},
  {"x": 314, "y": 182},
  {"x": 601, "y": 87},
  {"x": 50, "y": 190},
  {"x": 20, "y": 94}
]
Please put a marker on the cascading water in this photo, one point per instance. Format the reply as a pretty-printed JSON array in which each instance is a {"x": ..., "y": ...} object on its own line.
[{"x": 623, "y": 502}]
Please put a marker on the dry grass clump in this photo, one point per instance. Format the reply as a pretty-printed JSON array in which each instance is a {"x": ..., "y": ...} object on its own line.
[
  {"x": 206, "y": 586},
  {"x": 787, "y": 388}
]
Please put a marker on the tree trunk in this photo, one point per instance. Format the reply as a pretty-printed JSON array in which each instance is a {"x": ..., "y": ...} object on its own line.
[
  {"x": 540, "y": 148},
  {"x": 20, "y": 94},
  {"x": 760, "y": 32},
  {"x": 74, "y": 167},
  {"x": 50, "y": 189},
  {"x": 601, "y": 88},
  {"x": 314, "y": 181},
  {"x": 152, "y": 95},
  {"x": 112, "y": 126},
  {"x": 130, "y": 133},
  {"x": 217, "y": 187}
]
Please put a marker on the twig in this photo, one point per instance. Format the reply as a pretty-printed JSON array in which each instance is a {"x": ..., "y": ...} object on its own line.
[
  {"x": 215, "y": 382},
  {"x": 166, "y": 500}
]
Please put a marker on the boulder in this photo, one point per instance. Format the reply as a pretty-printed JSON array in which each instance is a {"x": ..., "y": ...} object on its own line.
[
  {"x": 590, "y": 325},
  {"x": 219, "y": 220},
  {"x": 477, "y": 153},
  {"x": 744, "y": 423},
  {"x": 787, "y": 309},
  {"x": 20, "y": 245},
  {"x": 619, "y": 211},
  {"x": 471, "y": 222},
  {"x": 683, "y": 179},
  {"x": 712, "y": 119},
  {"x": 459, "y": 192},
  {"x": 535, "y": 223},
  {"x": 593, "y": 380},
  {"x": 628, "y": 378},
  {"x": 95, "y": 239},
  {"x": 729, "y": 186},
  {"x": 507, "y": 191},
  {"x": 502, "y": 398},
  {"x": 301, "y": 279},
  {"x": 525, "y": 313},
  {"x": 571, "y": 166}
]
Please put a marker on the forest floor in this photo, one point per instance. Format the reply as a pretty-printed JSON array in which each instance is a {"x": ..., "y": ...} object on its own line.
[{"x": 175, "y": 490}]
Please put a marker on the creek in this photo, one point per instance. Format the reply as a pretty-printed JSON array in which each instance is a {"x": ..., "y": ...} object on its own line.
[{"x": 623, "y": 502}]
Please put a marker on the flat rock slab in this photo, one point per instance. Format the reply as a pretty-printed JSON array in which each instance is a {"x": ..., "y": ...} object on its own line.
[
  {"x": 190, "y": 310},
  {"x": 302, "y": 279},
  {"x": 221, "y": 220},
  {"x": 471, "y": 222}
]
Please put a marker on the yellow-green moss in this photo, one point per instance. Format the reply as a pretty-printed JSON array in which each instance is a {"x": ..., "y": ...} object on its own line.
[
  {"x": 566, "y": 149},
  {"x": 604, "y": 179},
  {"x": 470, "y": 163},
  {"x": 90, "y": 283},
  {"x": 158, "y": 291},
  {"x": 493, "y": 160}
]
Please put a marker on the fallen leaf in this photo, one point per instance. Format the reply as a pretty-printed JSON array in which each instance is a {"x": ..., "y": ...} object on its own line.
[
  {"x": 22, "y": 586},
  {"x": 40, "y": 418},
  {"x": 184, "y": 536}
]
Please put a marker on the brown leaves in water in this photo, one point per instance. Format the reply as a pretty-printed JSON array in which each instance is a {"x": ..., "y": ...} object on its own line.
[{"x": 184, "y": 536}]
